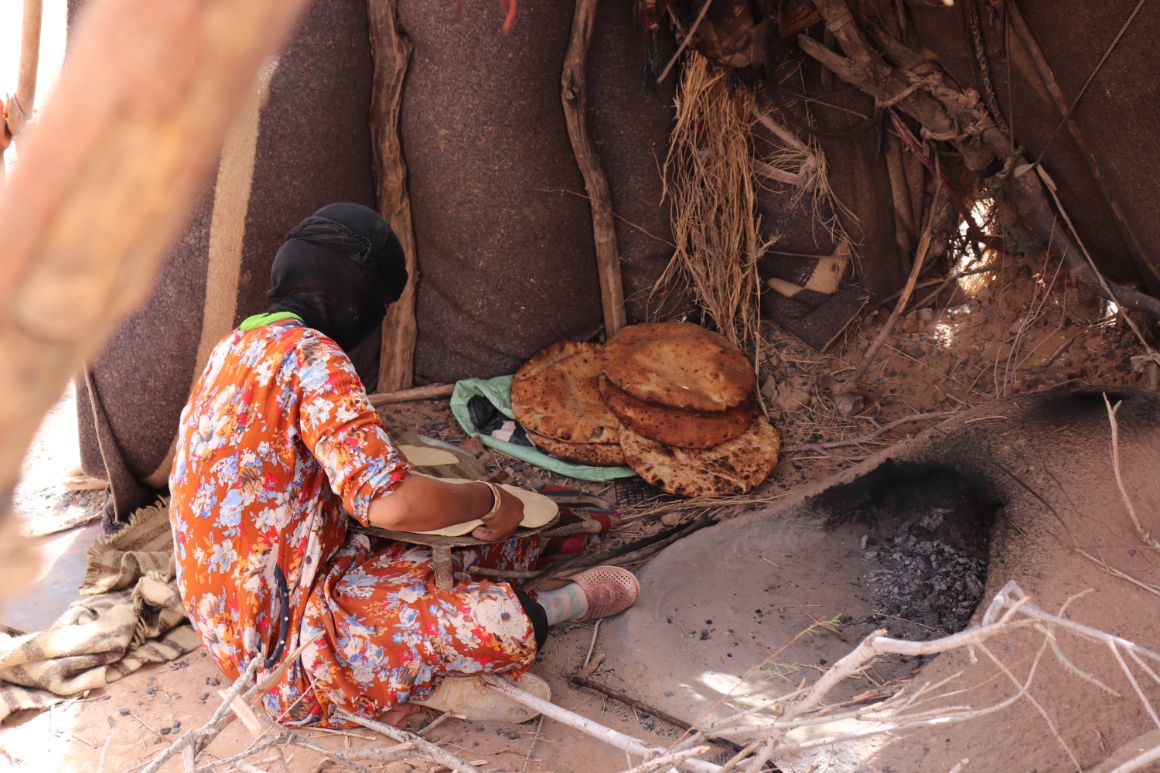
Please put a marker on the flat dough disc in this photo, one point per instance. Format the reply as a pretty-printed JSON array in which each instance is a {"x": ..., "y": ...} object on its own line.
[
  {"x": 677, "y": 427},
  {"x": 425, "y": 456},
  {"x": 598, "y": 454},
  {"x": 555, "y": 393},
  {"x": 680, "y": 365},
  {"x": 734, "y": 467},
  {"x": 538, "y": 510}
]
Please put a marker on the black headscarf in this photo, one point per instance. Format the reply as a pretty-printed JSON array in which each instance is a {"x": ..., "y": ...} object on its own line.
[{"x": 338, "y": 270}]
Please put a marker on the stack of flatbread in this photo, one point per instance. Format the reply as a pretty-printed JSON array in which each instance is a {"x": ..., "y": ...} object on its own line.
[
  {"x": 671, "y": 400},
  {"x": 684, "y": 398}
]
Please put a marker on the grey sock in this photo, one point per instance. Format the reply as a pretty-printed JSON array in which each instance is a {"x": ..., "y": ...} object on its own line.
[{"x": 564, "y": 604}]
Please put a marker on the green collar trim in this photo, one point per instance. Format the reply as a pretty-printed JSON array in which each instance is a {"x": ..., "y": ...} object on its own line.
[{"x": 258, "y": 320}]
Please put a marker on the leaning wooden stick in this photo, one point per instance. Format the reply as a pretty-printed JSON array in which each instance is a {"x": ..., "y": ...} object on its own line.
[
  {"x": 574, "y": 96},
  {"x": 851, "y": 384},
  {"x": 391, "y": 49}
]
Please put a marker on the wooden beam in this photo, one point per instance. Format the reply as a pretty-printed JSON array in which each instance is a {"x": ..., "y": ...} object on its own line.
[
  {"x": 431, "y": 392},
  {"x": 574, "y": 96},
  {"x": 391, "y": 50},
  {"x": 106, "y": 179}
]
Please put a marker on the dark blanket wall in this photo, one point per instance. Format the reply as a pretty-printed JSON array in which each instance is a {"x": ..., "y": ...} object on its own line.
[
  {"x": 312, "y": 147},
  {"x": 505, "y": 253},
  {"x": 502, "y": 225}
]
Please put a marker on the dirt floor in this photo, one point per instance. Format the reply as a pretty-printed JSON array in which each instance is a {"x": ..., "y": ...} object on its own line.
[{"x": 1012, "y": 330}]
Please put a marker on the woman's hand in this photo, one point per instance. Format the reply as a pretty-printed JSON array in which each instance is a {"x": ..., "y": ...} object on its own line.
[{"x": 505, "y": 521}]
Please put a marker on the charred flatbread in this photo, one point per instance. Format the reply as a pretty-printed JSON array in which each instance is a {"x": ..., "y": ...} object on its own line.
[
  {"x": 556, "y": 394},
  {"x": 677, "y": 427},
  {"x": 734, "y": 467},
  {"x": 680, "y": 365},
  {"x": 597, "y": 454}
]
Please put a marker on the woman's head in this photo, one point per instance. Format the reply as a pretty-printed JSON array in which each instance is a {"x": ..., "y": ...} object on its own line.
[{"x": 339, "y": 269}]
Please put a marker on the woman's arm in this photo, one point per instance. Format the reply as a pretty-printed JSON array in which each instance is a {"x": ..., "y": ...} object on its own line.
[{"x": 420, "y": 503}]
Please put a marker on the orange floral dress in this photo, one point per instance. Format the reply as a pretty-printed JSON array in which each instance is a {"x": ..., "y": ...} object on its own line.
[{"x": 277, "y": 447}]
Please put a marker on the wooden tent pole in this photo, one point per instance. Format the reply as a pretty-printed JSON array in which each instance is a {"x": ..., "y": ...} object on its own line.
[
  {"x": 391, "y": 49},
  {"x": 106, "y": 180},
  {"x": 18, "y": 109},
  {"x": 29, "y": 62},
  {"x": 574, "y": 96}
]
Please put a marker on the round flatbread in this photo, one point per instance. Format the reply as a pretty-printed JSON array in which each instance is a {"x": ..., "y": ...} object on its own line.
[
  {"x": 538, "y": 510},
  {"x": 555, "y": 393},
  {"x": 598, "y": 454},
  {"x": 676, "y": 427},
  {"x": 680, "y": 365},
  {"x": 734, "y": 467}
]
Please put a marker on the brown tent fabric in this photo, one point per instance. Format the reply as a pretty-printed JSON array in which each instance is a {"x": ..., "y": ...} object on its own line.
[
  {"x": 1116, "y": 115},
  {"x": 303, "y": 142},
  {"x": 505, "y": 253}
]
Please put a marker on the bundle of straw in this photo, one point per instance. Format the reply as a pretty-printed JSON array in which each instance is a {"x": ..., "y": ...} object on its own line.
[{"x": 709, "y": 182}]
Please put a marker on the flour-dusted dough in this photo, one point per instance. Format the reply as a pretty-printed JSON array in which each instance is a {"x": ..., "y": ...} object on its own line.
[
  {"x": 539, "y": 510},
  {"x": 426, "y": 456}
]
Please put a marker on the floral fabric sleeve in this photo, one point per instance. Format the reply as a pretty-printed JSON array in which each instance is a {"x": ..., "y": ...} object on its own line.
[{"x": 342, "y": 430}]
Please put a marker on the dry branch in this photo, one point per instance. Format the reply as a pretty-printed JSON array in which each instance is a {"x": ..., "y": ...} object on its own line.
[
  {"x": 1141, "y": 532},
  {"x": 851, "y": 384},
  {"x": 428, "y": 749},
  {"x": 587, "y": 726},
  {"x": 106, "y": 180},
  {"x": 574, "y": 97},
  {"x": 392, "y": 52}
]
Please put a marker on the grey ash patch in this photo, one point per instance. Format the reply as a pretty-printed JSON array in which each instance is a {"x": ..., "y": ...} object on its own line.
[{"x": 924, "y": 586}]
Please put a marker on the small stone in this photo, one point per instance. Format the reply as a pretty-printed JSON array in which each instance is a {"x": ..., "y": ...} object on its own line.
[
  {"x": 165, "y": 731},
  {"x": 124, "y": 712},
  {"x": 925, "y": 314},
  {"x": 203, "y": 697},
  {"x": 793, "y": 395},
  {"x": 849, "y": 404},
  {"x": 670, "y": 519},
  {"x": 176, "y": 725}
]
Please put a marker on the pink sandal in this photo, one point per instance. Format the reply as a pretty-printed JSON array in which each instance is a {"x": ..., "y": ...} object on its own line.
[{"x": 609, "y": 589}]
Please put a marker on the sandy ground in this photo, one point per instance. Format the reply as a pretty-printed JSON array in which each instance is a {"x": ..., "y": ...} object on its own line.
[{"x": 1022, "y": 330}]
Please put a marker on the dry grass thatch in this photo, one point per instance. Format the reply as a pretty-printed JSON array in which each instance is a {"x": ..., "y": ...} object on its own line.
[{"x": 709, "y": 182}]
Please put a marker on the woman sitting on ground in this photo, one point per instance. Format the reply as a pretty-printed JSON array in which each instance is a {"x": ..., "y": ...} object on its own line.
[{"x": 278, "y": 446}]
